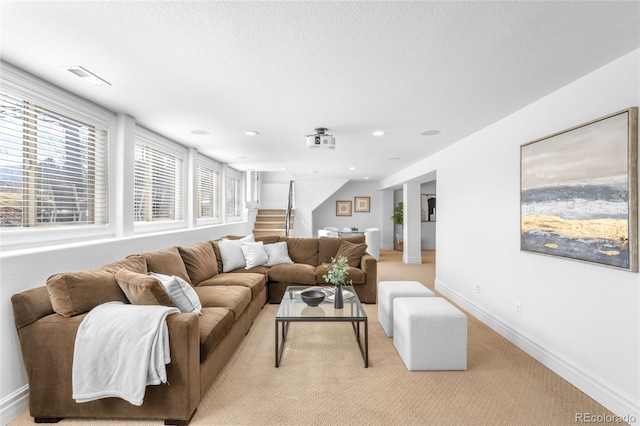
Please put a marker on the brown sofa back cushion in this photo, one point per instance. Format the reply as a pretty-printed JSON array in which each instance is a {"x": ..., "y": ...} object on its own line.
[
  {"x": 302, "y": 250},
  {"x": 142, "y": 289},
  {"x": 167, "y": 262},
  {"x": 75, "y": 293},
  {"x": 328, "y": 246},
  {"x": 200, "y": 261}
]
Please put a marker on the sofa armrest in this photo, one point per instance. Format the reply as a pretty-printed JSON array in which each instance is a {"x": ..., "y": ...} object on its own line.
[
  {"x": 50, "y": 385},
  {"x": 368, "y": 292},
  {"x": 31, "y": 305}
]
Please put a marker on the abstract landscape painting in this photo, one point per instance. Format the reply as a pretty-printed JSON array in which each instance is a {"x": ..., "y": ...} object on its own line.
[{"x": 579, "y": 195}]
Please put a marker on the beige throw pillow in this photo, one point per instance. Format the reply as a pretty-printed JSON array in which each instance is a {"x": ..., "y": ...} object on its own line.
[{"x": 352, "y": 251}]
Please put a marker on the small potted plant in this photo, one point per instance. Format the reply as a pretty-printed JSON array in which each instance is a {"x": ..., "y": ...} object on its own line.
[
  {"x": 337, "y": 276},
  {"x": 397, "y": 219}
]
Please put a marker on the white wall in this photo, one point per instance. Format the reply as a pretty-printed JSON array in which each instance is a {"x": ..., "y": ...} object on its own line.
[
  {"x": 325, "y": 214},
  {"x": 582, "y": 320}
]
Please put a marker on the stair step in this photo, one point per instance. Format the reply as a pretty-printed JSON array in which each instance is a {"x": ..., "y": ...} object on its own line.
[
  {"x": 268, "y": 232},
  {"x": 271, "y": 218},
  {"x": 276, "y": 212},
  {"x": 270, "y": 225},
  {"x": 272, "y": 222}
]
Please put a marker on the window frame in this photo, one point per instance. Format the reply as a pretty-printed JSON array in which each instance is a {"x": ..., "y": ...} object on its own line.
[
  {"x": 235, "y": 174},
  {"x": 168, "y": 147},
  {"x": 27, "y": 87},
  {"x": 204, "y": 161}
]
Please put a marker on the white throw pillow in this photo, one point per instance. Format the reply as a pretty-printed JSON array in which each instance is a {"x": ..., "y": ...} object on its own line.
[
  {"x": 180, "y": 292},
  {"x": 254, "y": 254},
  {"x": 277, "y": 253},
  {"x": 231, "y": 253}
]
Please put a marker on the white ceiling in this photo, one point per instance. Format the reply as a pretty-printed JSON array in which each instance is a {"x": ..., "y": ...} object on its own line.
[{"x": 285, "y": 68}]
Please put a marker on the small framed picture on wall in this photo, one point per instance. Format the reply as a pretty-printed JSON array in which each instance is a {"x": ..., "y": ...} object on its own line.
[
  {"x": 363, "y": 204},
  {"x": 343, "y": 208}
]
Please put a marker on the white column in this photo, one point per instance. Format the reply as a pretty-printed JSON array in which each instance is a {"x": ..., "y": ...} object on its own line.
[
  {"x": 411, "y": 227},
  {"x": 122, "y": 211},
  {"x": 387, "y": 227}
]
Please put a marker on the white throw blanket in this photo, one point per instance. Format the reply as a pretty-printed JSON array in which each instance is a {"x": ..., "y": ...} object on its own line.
[{"x": 119, "y": 350}]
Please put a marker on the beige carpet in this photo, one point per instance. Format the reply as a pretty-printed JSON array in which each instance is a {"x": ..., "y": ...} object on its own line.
[{"x": 322, "y": 380}]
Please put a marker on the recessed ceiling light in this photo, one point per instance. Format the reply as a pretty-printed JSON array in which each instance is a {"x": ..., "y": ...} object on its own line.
[
  {"x": 366, "y": 178},
  {"x": 283, "y": 168},
  {"x": 87, "y": 75},
  {"x": 199, "y": 132},
  {"x": 352, "y": 168},
  {"x": 251, "y": 133},
  {"x": 378, "y": 133},
  {"x": 430, "y": 132}
]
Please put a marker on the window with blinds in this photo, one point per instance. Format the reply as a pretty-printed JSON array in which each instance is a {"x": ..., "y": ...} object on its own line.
[
  {"x": 158, "y": 181},
  {"x": 208, "y": 189},
  {"x": 233, "y": 194},
  {"x": 53, "y": 167}
]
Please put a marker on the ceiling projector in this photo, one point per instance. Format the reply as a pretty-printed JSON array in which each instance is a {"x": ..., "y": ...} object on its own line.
[{"x": 320, "y": 139}]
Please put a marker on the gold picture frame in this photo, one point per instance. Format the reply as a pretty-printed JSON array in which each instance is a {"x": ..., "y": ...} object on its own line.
[
  {"x": 579, "y": 193},
  {"x": 362, "y": 204},
  {"x": 343, "y": 208}
]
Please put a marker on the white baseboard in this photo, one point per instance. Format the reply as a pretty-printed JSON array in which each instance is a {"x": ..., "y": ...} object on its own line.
[
  {"x": 601, "y": 391},
  {"x": 14, "y": 405}
]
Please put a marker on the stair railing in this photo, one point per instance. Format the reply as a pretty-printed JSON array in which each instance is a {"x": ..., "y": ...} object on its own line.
[{"x": 287, "y": 217}]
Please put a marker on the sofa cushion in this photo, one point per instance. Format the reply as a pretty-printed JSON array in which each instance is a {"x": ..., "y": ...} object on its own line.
[
  {"x": 254, "y": 282},
  {"x": 352, "y": 251},
  {"x": 167, "y": 262},
  {"x": 298, "y": 273},
  {"x": 200, "y": 261},
  {"x": 214, "y": 324},
  {"x": 356, "y": 276},
  {"x": 234, "y": 298},
  {"x": 328, "y": 246},
  {"x": 75, "y": 293},
  {"x": 180, "y": 292},
  {"x": 142, "y": 289},
  {"x": 254, "y": 254},
  {"x": 302, "y": 250},
  {"x": 262, "y": 269},
  {"x": 277, "y": 253}
]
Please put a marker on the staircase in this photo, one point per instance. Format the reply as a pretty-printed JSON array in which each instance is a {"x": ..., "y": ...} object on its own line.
[{"x": 272, "y": 222}]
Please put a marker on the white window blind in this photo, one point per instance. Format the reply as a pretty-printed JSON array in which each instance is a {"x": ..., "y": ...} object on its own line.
[
  {"x": 158, "y": 180},
  {"x": 208, "y": 188},
  {"x": 233, "y": 194},
  {"x": 53, "y": 165}
]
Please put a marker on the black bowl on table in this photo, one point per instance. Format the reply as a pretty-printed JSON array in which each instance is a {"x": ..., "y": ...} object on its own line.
[{"x": 312, "y": 297}]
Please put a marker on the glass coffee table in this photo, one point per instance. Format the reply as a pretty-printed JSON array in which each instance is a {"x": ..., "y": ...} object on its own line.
[{"x": 293, "y": 309}]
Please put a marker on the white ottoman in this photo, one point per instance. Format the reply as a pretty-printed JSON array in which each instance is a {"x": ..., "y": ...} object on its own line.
[
  {"x": 430, "y": 333},
  {"x": 389, "y": 290}
]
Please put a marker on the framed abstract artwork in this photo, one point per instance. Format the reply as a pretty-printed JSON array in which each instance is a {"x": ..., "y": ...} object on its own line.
[
  {"x": 579, "y": 192},
  {"x": 343, "y": 208},
  {"x": 428, "y": 207},
  {"x": 362, "y": 204}
]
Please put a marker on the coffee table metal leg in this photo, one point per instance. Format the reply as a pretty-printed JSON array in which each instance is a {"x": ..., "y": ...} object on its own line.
[
  {"x": 280, "y": 344},
  {"x": 366, "y": 343}
]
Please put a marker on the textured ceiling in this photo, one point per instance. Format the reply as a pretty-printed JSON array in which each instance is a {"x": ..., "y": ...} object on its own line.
[{"x": 285, "y": 68}]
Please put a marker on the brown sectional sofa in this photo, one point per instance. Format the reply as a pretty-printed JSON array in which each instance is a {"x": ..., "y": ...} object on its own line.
[{"x": 47, "y": 320}]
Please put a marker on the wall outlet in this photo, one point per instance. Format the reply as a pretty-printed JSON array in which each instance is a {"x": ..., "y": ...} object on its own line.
[
  {"x": 478, "y": 289},
  {"x": 518, "y": 309}
]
